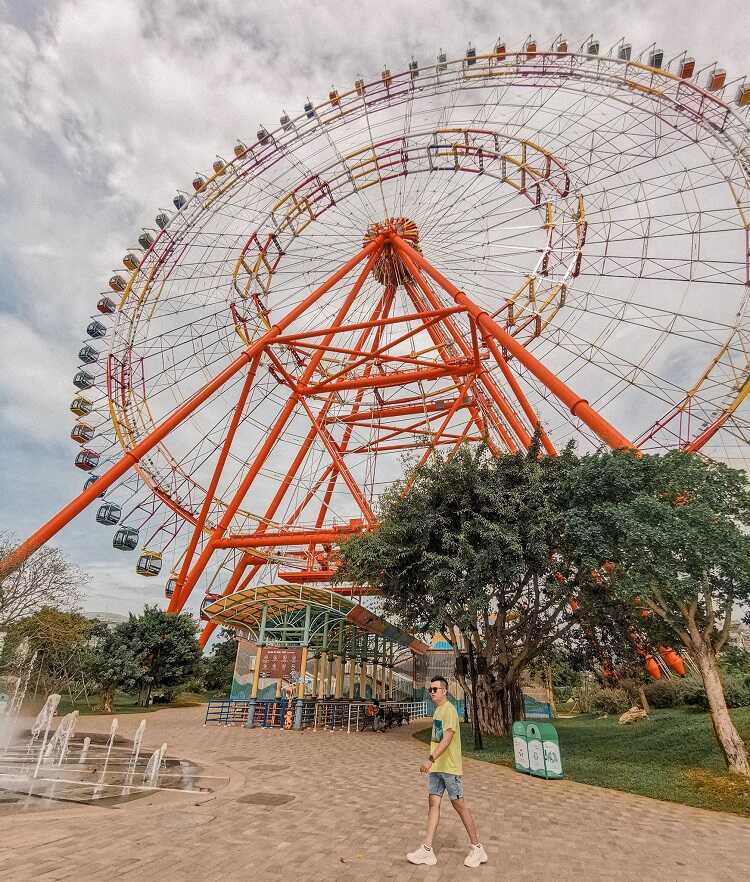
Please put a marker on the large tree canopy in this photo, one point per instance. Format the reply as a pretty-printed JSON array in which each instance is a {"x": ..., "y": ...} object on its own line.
[
  {"x": 667, "y": 534},
  {"x": 467, "y": 549},
  {"x": 165, "y": 648}
]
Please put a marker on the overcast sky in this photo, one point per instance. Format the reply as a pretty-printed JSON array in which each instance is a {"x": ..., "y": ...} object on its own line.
[{"x": 107, "y": 107}]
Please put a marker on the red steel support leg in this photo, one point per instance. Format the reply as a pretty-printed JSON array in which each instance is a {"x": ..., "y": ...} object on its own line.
[
  {"x": 443, "y": 426},
  {"x": 218, "y": 469},
  {"x": 178, "y": 600},
  {"x": 579, "y": 407},
  {"x": 505, "y": 408},
  {"x": 76, "y": 506}
]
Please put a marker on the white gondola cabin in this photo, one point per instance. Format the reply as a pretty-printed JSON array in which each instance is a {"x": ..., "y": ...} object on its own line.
[
  {"x": 125, "y": 539},
  {"x": 88, "y": 355},
  {"x": 655, "y": 58},
  {"x": 83, "y": 380},
  {"x": 108, "y": 514}
]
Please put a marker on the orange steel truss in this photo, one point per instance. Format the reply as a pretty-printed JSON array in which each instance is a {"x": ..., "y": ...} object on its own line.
[{"x": 474, "y": 406}]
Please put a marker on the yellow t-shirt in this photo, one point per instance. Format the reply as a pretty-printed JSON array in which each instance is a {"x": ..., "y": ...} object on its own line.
[{"x": 450, "y": 761}]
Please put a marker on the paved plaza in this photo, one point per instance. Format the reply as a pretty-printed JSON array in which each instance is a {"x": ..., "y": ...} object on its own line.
[{"x": 357, "y": 806}]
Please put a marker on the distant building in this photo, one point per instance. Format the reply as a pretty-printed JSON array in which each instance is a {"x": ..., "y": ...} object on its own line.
[
  {"x": 740, "y": 636},
  {"x": 109, "y": 618}
]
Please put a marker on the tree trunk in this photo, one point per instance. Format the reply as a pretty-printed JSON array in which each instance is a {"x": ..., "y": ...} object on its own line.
[
  {"x": 498, "y": 706},
  {"x": 643, "y": 699},
  {"x": 732, "y": 746},
  {"x": 107, "y": 697}
]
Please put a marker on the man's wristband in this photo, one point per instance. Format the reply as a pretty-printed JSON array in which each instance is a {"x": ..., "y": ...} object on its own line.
[{"x": 432, "y": 758}]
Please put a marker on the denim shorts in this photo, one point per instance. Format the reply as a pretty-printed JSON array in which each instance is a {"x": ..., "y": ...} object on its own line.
[{"x": 439, "y": 782}]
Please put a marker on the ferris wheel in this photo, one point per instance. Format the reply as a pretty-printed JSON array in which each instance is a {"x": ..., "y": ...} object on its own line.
[{"x": 550, "y": 239}]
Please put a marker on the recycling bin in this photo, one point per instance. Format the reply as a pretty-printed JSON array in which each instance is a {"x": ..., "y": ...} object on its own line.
[
  {"x": 520, "y": 746},
  {"x": 536, "y": 750},
  {"x": 551, "y": 748}
]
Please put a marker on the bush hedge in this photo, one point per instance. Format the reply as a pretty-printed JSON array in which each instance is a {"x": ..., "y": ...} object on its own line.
[
  {"x": 610, "y": 701},
  {"x": 690, "y": 691}
]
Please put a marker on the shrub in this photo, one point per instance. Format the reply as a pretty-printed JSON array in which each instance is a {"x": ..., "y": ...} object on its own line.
[
  {"x": 737, "y": 692},
  {"x": 665, "y": 693},
  {"x": 693, "y": 693},
  {"x": 610, "y": 701}
]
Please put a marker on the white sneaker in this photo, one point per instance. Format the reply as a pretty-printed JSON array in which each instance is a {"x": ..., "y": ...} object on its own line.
[
  {"x": 424, "y": 856},
  {"x": 476, "y": 856}
]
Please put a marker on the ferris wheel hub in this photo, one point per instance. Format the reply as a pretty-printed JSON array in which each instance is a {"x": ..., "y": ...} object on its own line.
[{"x": 389, "y": 269}]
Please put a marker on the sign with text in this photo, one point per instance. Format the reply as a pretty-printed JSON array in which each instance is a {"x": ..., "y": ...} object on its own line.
[{"x": 278, "y": 663}]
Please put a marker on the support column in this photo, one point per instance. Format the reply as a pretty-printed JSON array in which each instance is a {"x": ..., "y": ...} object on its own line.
[
  {"x": 339, "y": 677},
  {"x": 303, "y": 669},
  {"x": 250, "y": 722},
  {"x": 322, "y": 674},
  {"x": 374, "y": 670},
  {"x": 363, "y": 676},
  {"x": 352, "y": 674}
]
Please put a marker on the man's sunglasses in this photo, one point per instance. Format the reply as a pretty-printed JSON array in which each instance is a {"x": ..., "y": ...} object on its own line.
[{"x": 435, "y": 688}]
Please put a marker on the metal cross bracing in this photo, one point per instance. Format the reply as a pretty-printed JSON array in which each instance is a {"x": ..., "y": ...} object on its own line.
[{"x": 582, "y": 222}]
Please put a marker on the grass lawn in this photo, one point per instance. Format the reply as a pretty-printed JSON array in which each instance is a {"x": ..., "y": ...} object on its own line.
[
  {"x": 124, "y": 704},
  {"x": 673, "y": 755}
]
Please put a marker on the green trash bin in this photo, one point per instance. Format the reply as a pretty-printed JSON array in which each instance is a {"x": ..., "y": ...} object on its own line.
[
  {"x": 536, "y": 750},
  {"x": 520, "y": 747},
  {"x": 551, "y": 747}
]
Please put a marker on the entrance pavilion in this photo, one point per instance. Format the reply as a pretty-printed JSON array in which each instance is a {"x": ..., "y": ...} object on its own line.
[{"x": 321, "y": 643}]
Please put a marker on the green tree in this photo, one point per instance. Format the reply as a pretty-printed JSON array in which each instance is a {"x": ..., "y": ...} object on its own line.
[
  {"x": 219, "y": 666},
  {"x": 113, "y": 664},
  {"x": 468, "y": 551},
  {"x": 667, "y": 534},
  {"x": 165, "y": 648},
  {"x": 61, "y": 640}
]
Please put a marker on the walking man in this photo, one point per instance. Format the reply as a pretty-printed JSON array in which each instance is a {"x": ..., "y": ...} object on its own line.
[{"x": 444, "y": 769}]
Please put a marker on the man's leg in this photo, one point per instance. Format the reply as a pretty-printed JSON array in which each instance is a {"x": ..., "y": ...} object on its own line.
[
  {"x": 464, "y": 812},
  {"x": 433, "y": 817}
]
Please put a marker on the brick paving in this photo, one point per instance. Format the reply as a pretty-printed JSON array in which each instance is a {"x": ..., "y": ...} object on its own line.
[{"x": 359, "y": 805}]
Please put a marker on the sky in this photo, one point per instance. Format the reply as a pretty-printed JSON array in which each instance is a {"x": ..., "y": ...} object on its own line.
[{"x": 106, "y": 108}]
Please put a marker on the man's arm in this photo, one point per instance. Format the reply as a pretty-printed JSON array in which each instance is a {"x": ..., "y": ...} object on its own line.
[{"x": 441, "y": 748}]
